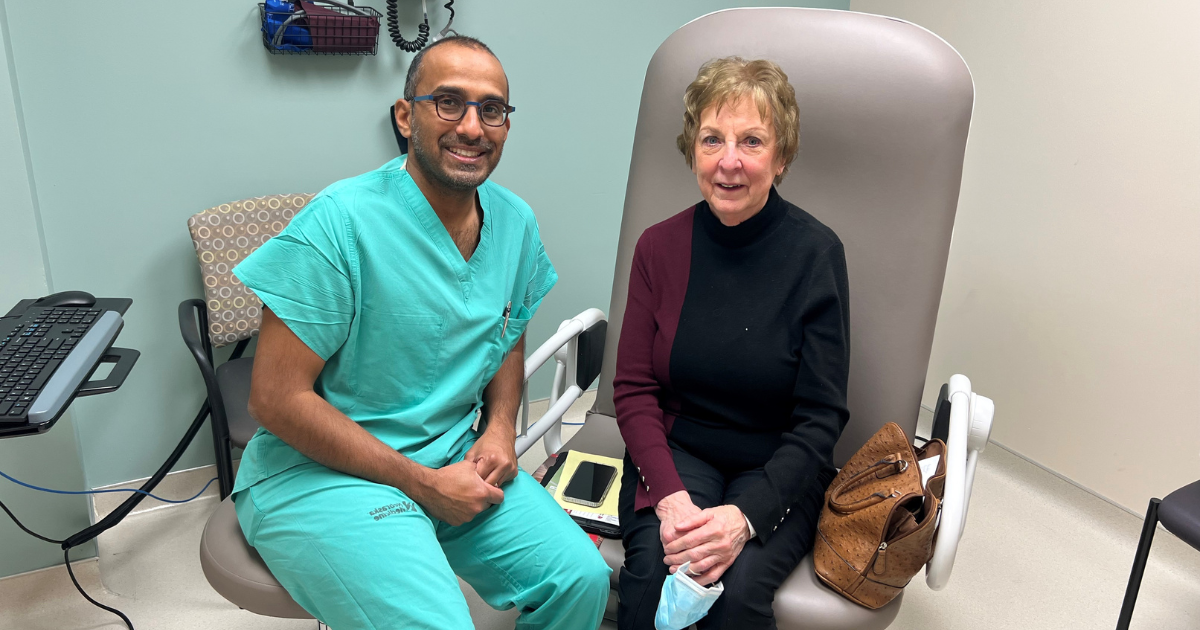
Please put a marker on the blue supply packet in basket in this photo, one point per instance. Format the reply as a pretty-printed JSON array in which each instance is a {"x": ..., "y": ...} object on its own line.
[
  {"x": 295, "y": 37},
  {"x": 684, "y": 602}
]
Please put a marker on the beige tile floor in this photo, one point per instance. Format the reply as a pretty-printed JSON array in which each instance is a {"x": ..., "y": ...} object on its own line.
[{"x": 1038, "y": 553}]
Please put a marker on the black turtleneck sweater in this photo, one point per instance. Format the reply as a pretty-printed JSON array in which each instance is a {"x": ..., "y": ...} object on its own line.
[{"x": 736, "y": 346}]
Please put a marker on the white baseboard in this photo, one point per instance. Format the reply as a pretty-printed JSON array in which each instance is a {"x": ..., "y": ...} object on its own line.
[
  {"x": 77, "y": 564},
  {"x": 177, "y": 485},
  {"x": 927, "y": 413},
  {"x": 1069, "y": 480}
]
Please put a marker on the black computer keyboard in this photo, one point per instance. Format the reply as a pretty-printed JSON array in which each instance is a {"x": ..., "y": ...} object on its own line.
[{"x": 45, "y": 355}]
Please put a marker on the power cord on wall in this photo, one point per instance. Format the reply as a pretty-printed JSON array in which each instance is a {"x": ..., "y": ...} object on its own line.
[{"x": 117, "y": 514}]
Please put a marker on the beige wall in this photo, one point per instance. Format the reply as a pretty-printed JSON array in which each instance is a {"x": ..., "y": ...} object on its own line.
[{"x": 1072, "y": 290}]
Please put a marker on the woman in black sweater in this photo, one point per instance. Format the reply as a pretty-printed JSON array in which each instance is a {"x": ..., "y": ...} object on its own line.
[{"x": 731, "y": 375}]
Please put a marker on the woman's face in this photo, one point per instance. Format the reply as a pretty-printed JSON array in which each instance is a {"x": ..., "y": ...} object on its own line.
[{"x": 735, "y": 160}]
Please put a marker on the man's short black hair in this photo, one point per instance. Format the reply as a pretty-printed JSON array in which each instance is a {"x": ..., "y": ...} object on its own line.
[{"x": 414, "y": 68}]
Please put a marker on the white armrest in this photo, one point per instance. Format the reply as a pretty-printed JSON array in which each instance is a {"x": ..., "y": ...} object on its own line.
[
  {"x": 563, "y": 346},
  {"x": 970, "y": 426}
]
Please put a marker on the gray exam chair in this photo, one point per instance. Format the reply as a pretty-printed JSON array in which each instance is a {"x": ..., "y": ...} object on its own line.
[{"x": 884, "y": 111}]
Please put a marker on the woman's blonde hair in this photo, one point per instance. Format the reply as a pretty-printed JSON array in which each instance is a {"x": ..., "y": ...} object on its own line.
[{"x": 724, "y": 81}]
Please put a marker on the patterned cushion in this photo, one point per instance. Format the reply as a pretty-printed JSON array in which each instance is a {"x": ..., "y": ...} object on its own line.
[{"x": 223, "y": 236}]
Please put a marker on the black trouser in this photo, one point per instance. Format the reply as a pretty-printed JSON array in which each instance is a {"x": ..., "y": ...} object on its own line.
[{"x": 756, "y": 574}]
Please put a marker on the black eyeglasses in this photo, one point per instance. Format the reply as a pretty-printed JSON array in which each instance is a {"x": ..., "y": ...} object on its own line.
[{"x": 452, "y": 108}]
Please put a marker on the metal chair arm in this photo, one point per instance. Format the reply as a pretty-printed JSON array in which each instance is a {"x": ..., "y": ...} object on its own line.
[{"x": 563, "y": 346}]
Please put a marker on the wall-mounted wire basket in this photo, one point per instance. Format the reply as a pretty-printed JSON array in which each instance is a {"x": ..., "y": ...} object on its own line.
[{"x": 308, "y": 28}]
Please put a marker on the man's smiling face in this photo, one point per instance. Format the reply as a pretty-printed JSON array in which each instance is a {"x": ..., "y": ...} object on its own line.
[{"x": 460, "y": 155}]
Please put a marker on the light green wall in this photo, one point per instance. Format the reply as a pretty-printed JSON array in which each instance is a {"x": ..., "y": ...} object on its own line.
[
  {"x": 140, "y": 115},
  {"x": 52, "y": 459}
]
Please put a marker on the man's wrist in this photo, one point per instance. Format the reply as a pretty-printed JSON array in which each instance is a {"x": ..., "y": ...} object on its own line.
[
  {"x": 501, "y": 427},
  {"x": 417, "y": 481}
]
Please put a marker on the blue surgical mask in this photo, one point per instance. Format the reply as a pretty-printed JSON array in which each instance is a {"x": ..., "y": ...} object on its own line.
[{"x": 683, "y": 601}]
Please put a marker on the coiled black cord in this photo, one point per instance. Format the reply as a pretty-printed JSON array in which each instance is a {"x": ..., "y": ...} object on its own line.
[
  {"x": 423, "y": 28},
  {"x": 393, "y": 20}
]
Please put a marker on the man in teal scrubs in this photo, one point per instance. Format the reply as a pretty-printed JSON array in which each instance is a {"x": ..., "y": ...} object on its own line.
[{"x": 396, "y": 305}]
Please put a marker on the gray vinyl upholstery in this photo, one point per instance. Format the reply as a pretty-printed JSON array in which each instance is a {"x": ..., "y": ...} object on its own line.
[
  {"x": 885, "y": 108},
  {"x": 233, "y": 378},
  {"x": 1180, "y": 514},
  {"x": 237, "y": 572}
]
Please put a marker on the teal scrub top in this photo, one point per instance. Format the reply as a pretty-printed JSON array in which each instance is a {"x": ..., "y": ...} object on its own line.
[{"x": 367, "y": 276}]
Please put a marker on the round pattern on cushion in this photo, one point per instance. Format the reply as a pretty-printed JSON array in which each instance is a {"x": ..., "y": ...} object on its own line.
[{"x": 225, "y": 235}]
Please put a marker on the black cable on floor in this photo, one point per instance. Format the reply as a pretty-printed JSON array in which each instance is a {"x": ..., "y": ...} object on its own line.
[
  {"x": 120, "y": 512},
  {"x": 67, "y": 558}
]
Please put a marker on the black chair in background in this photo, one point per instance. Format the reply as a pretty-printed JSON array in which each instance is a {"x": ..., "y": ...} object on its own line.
[{"x": 1180, "y": 514}]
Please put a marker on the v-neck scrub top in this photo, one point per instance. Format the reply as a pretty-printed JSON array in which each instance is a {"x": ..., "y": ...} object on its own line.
[{"x": 367, "y": 276}]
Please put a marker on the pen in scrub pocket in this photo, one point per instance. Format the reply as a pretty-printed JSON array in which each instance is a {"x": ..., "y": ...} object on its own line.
[{"x": 507, "y": 312}]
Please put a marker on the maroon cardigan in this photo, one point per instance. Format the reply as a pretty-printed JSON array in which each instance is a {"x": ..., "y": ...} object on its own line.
[{"x": 657, "y": 284}]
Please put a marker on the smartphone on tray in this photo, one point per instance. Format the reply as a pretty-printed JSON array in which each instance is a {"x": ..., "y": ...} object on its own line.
[{"x": 590, "y": 483}]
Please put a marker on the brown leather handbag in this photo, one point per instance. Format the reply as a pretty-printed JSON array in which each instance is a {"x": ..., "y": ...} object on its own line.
[{"x": 878, "y": 525}]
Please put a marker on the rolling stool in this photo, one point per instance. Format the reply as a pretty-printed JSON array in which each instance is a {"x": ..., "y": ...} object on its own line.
[{"x": 236, "y": 571}]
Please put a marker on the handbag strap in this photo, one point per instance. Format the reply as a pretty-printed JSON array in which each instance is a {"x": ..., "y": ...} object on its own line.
[{"x": 894, "y": 461}]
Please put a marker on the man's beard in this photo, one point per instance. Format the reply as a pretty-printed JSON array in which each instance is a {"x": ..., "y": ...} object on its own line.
[{"x": 458, "y": 181}]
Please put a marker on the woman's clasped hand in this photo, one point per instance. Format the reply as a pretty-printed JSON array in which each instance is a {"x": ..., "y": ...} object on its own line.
[{"x": 710, "y": 539}]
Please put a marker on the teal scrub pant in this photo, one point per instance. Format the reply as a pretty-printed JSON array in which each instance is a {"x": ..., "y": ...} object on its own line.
[{"x": 360, "y": 555}]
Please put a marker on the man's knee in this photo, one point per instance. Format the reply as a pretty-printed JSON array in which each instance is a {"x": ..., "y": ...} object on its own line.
[
  {"x": 592, "y": 575},
  {"x": 583, "y": 578}
]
